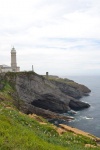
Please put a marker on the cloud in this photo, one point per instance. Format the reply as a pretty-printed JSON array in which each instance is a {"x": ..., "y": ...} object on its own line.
[{"x": 61, "y": 37}]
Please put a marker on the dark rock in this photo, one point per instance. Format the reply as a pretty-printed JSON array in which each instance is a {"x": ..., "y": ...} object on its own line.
[
  {"x": 52, "y": 103},
  {"x": 78, "y": 105},
  {"x": 1, "y": 86},
  {"x": 44, "y": 113}
]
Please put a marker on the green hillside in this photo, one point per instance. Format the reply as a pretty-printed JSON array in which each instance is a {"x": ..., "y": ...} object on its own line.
[{"x": 19, "y": 131}]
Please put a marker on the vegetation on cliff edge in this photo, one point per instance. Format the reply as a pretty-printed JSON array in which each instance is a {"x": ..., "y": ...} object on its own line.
[{"x": 70, "y": 83}]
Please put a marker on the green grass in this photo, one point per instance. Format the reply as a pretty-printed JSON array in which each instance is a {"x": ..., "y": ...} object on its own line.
[
  {"x": 20, "y": 132},
  {"x": 66, "y": 81}
]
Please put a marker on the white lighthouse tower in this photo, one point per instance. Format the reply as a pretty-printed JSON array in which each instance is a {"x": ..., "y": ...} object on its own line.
[{"x": 14, "y": 61}]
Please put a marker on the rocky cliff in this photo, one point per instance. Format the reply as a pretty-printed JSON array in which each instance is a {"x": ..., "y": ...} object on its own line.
[{"x": 36, "y": 94}]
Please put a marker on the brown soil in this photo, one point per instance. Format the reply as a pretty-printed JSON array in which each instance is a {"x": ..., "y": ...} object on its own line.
[{"x": 77, "y": 131}]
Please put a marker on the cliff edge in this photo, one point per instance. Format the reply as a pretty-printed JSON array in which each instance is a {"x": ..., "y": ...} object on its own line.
[{"x": 43, "y": 96}]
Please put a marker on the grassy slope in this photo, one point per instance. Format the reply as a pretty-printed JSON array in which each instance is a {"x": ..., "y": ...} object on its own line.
[{"x": 20, "y": 132}]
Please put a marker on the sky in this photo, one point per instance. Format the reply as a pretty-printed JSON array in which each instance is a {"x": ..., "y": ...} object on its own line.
[{"x": 61, "y": 37}]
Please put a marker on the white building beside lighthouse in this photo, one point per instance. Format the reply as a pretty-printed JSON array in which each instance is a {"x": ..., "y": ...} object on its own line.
[{"x": 13, "y": 67}]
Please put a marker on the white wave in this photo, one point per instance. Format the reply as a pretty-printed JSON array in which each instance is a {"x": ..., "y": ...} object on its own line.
[{"x": 85, "y": 117}]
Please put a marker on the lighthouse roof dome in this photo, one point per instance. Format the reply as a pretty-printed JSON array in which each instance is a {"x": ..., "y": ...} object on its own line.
[{"x": 13, "y": 50}]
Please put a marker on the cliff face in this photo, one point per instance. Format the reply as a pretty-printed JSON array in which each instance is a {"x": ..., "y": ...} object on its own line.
[
  {"x": 34, "y": 92},
  {"x": 71, "y": 88}
]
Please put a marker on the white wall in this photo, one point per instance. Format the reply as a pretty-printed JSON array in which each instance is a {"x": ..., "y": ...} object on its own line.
[{"x": 6, "y": 69}]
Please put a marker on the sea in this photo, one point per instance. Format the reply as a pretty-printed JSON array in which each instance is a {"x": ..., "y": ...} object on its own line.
[{"x": 87, "y": 119}]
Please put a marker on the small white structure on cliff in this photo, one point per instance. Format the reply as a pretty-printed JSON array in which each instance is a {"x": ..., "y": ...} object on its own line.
[{"x": 13, "y": 67}]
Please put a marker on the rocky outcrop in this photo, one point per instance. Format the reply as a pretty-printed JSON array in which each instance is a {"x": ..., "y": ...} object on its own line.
[
  {"x": 30, "y": 109},
  {"x": 71, "y": 88},
  {"x": 35, "y": 93},
  {"x": 50, "y": 102},
  {"x": 68, "y": 90},
  {"x": 78, "y": 105}
]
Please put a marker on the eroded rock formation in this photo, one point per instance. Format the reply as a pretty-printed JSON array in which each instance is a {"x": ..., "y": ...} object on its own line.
[{"x": 36, "y": 94}]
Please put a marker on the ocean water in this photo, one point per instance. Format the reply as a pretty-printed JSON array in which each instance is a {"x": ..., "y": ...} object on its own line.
[{"x": 88, "y": 119}]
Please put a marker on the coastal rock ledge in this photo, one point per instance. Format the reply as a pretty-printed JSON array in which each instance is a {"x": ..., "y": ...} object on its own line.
[{"x": 33, "y": 93}]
